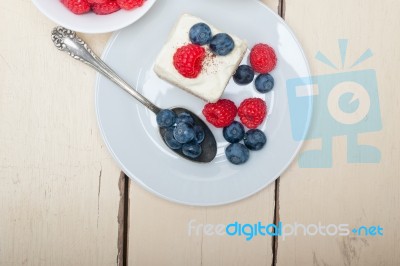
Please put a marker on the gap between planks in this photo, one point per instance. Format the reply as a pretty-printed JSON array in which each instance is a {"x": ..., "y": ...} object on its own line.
[
  {"x": 281, "y": 12},
  {"x": 282, "y": 8},
  {"x": 276, "y": 220},
  {"x": 123, "y": 219}
]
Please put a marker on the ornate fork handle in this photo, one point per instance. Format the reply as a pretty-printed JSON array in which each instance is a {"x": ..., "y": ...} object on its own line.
[{"x": 66, "y": 40}]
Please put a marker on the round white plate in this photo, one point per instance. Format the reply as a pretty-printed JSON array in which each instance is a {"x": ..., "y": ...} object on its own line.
[
  {"x": 90, "y": 22},
  {"x": 130, "y": 130}
]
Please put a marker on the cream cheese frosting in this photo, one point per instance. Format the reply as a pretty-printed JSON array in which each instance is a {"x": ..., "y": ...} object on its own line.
[{"x": 217, "y": 70}]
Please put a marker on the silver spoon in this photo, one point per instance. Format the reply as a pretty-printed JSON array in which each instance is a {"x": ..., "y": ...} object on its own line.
[{"x": 66, "y": 40}]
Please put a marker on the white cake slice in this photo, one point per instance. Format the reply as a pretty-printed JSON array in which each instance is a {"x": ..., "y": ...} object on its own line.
[{"x": 217, "y": 70}]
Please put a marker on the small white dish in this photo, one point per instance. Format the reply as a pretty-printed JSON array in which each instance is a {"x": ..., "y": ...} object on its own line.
[
  {"x": 90, "y": 22},
  {"x": 130, "y": 130}
]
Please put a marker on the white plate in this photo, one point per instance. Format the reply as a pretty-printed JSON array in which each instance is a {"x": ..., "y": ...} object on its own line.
[
  {"x": 130, "y": 130},
  {"x": 90, "y": 22}
]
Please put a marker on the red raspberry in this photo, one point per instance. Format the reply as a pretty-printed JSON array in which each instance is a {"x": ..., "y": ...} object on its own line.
[
  {"x": 221, "y": 113},
  {"x": 262, "y": 58},
  {"x": 97, "y": 1},
  {"x": 108, "y": 7},
  {"x": 77, "y": 6},
  {"x": 188, "y": 60},
  {"x": 252, "y": 112},
  {"x": 130, "y": 4}
]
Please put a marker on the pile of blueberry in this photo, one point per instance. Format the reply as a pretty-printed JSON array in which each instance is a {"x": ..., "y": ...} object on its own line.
[
  {"x": 237, "y": 152},
  {"x": 181, "y": 132},
  {"x": 220, "y": 44},
  {"x": 262, "y": 60}
]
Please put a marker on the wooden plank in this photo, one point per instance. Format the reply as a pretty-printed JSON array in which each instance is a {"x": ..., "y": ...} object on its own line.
[
  {"x": 158, "y": 229},
  {"x": 58, "y": 185},
  {"x": 355, "y": 194}
]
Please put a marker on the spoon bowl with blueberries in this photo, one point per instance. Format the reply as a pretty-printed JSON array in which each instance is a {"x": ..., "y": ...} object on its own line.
[
  {"x": 186, "y": 134},
  {"x": 181, "y": 130}
]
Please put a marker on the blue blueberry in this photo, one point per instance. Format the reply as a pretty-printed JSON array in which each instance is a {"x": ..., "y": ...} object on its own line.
[
  {"x": 170, "y": 139},
  {"x": 166, "y": 118},
  {"x": 243, "y": 75},
  {"x": 222, "y": 44},
  {"x": 200, "y": 34},
  {"x": 237, "y": 153},
  {"x": 184, "y": 133},
  {"x": 185, "y": 118},
  {"x": 234, "y": 132},
  {"x": 199, "y": 133},
  {"x": 192, "y": 149},
  {"x": 255, "y": 139},
  {"x": 264, "y": 83}
]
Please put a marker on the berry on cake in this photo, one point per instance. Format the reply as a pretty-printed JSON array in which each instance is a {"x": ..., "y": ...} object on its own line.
[{"x": 199, "y": 58}]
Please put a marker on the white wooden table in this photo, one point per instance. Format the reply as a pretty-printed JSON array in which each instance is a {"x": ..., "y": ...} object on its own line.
[{"x": 63, "y": 200}]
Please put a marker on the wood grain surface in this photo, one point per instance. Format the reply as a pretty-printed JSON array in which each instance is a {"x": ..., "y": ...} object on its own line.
[
  {"x": 58, "y": 184},
  {"x": 355, "y": 194}
]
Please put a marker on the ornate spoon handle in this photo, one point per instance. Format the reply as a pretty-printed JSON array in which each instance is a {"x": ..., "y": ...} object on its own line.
[{"x": 66, "y": 40}]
